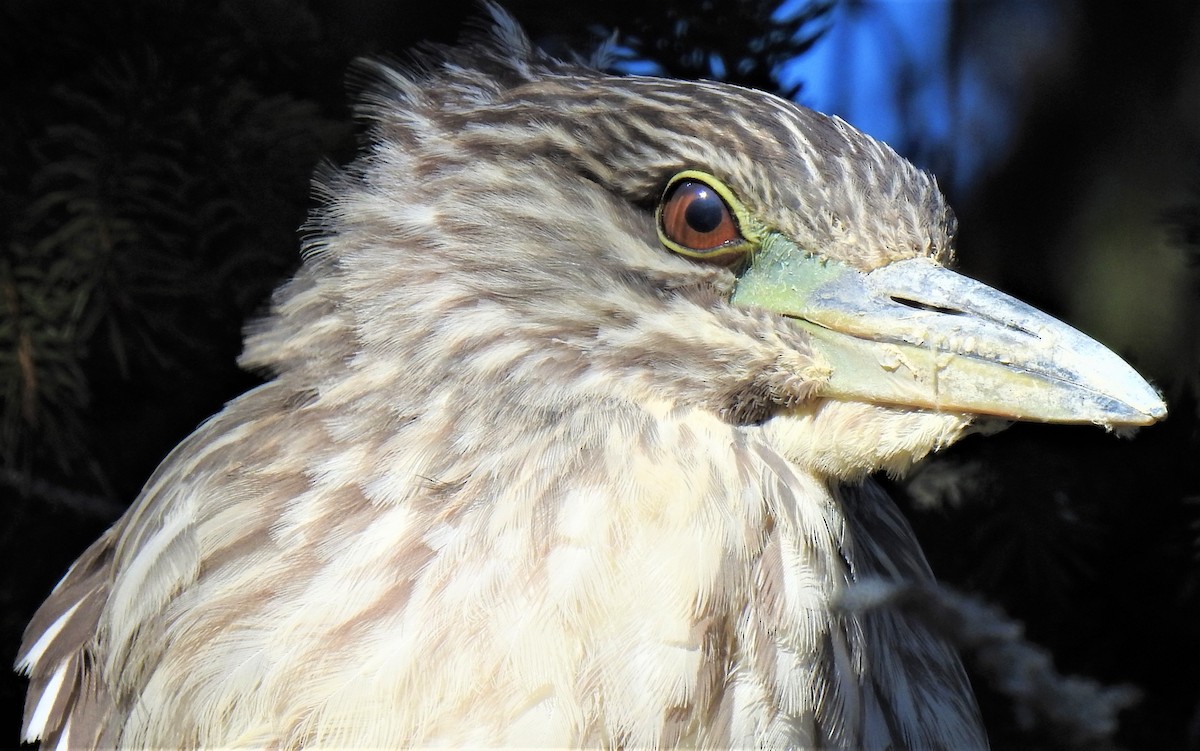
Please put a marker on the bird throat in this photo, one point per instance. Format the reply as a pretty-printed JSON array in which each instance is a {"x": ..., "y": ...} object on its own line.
[{"x": 847, "y": 441}]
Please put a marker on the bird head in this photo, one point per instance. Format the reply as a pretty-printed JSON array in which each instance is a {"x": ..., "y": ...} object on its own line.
[{"x": 564, "y": 236}]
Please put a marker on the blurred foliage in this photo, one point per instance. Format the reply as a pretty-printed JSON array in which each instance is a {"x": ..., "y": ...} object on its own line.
[
  {"x": 1183, "y": 223},
  {"x": 154, "y": 192},
  {"x": 742, "y": 42},
  {"x": 1091, "y": 541},
  {"x": 154, "y": 167}
]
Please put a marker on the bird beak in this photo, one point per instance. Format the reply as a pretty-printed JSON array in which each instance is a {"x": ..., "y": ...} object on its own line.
[{"x": 915, "y": 333}]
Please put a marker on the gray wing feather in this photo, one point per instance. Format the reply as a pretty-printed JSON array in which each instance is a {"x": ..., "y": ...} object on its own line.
[
  {"x": 917, "y": 694},
  {"x": 67, "y": 706}
]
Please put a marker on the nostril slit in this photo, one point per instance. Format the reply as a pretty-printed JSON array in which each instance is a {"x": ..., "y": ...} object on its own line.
[{"x": 918, "y": 305}]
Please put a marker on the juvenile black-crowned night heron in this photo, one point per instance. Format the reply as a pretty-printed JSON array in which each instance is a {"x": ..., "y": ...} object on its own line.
[{"x": 571, "y": 411}]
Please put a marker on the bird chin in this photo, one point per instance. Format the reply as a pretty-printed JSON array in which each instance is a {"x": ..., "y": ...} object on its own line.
[{"x": 846, "y": 441}]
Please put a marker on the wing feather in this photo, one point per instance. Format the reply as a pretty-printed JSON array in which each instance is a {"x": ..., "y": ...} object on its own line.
[
  {"x": 916, "y": 693},
  {"x": 66, "y": 702}
]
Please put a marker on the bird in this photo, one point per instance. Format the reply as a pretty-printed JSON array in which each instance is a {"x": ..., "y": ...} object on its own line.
[{"x": 566, "y": 439}]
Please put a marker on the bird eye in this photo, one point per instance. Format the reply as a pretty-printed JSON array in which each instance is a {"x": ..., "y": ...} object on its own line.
[{"x": 695, "y": 218}]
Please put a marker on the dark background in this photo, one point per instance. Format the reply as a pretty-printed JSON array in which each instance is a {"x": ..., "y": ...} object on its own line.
[{"x": 154, "y": 167}]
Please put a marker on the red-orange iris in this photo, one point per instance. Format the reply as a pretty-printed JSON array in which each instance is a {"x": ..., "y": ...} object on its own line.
[{"x": 696, "y": 217}]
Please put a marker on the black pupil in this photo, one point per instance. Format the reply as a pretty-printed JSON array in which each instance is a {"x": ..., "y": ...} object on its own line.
[{"x": 706, "y": 211}]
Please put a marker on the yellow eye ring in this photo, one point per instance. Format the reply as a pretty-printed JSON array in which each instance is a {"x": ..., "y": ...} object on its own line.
[{"x": 699, "y": 217}]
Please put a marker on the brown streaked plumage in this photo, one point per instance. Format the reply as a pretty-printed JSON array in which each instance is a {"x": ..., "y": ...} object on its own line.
[{"x": 524, "y": 475}]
